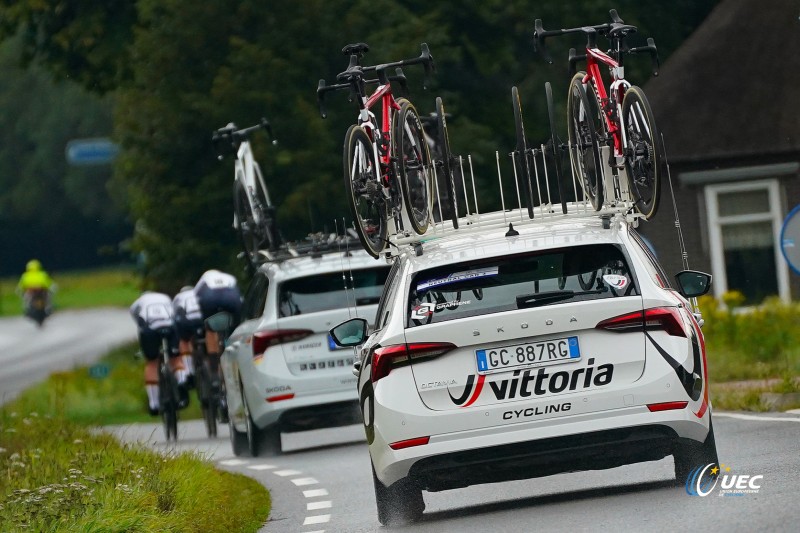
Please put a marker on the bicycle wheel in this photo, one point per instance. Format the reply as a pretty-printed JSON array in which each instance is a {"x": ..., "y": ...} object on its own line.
[
  {"x": 168, "y": 398},
  {"x": 644, "y": 155},
  {"x": 450, "y": 203},
  {"x": 555, "y": 146},
  {"x": 520, "y": 159},
  {"x": 267, "y": 230},
  {"x": 365, "y": 192},
  {"x": 245, "y": 223},
  {"x": 414, "y": 165},
  {"x": 588, "y": 282},
  {"x": 584, "y": 152},
  {"x": 210, "y": 408}
]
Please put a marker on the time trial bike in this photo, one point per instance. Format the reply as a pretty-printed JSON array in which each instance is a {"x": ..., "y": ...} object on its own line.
[
  {"x": 254, "y": 215},
  {"x": 619, "y": 118},
  {"x": 387, "y": 167}
]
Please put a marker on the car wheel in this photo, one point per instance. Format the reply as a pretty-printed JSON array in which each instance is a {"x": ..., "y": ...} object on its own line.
[
  {"x": 689, "y": 456},
  {"x": 253, "y": 433},
  {"x": 399, "y": 503},
  {"x": 238, "y": 440}
]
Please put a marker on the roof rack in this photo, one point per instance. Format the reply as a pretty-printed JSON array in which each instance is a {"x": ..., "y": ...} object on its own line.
[
  {"x": 314, "y": 245},
  {"x": 618, "y": 204}
]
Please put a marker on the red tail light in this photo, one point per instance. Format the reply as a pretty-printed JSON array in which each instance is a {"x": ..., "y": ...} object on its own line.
[
  {"x": 664, "y": 318},
  {"x": 384, "y": 359},
  {"x": 419, "y": 441},
  {"x": 265, "y": 339},
  {"x": 666, "y": 406}
]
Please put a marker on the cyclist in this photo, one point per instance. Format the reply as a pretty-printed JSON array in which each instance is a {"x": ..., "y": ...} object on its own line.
[
  {"x": 188, "y": 321},
  {"x": 153, "y": 311},
  {"x": 35, "y": 281},
  {"x": 217, "y": 292}
]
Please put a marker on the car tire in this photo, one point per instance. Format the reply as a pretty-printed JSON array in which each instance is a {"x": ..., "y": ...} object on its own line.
[
  {"x": 400, "y": 503},
  {"x": 238, "y": 440},
  {"x": 689, "y": 456}
]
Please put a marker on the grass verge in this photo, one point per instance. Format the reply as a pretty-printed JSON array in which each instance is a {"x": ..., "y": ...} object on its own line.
[
  {"x": 117, "y": 287},
  {"x": 58, "y": 476},
  {"x": 117, "y": 398}
]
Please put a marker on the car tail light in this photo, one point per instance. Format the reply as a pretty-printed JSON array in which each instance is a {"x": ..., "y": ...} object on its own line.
[
  {"x": 280, "y": 397},
  {"x": 385, "y": 358},
  {"x": 663, "y": 318},
  {"x": 419, "y": 441},
  {"x": 666, "y": 406},
  {"x": 265, "y": 339}
]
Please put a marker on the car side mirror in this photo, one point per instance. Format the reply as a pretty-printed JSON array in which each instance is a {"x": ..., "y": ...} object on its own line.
[
  {"x": 350, "y": 332},
  {"x": 692, "y": 283}
]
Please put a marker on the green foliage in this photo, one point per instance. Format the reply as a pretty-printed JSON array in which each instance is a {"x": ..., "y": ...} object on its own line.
[
  {"x": 757, "y": 342},
  {"x": 119, "y": 398},
  {"x": 191, "y": 67},
  {"x": 57, "y": 476}
]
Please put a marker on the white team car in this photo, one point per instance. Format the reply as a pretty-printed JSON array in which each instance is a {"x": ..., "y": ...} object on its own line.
[
  {"x": 497, "y": 357},
  {"x": 282, "y": 371}
]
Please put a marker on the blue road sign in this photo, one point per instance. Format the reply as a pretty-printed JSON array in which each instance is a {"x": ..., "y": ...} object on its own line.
[
  {"x": 97, "y": 151},
  {"x": 790, "y": 239}
]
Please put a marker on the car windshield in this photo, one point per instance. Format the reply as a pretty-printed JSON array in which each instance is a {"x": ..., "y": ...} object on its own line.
[
  {"x": 322, "y": 292},
  {"x": 578, "y": 273}
]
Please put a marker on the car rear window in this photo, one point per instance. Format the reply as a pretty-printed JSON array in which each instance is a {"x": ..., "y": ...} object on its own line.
[
  {"x": 322, "y": 292},
  {"x": 551, "y": 277}
]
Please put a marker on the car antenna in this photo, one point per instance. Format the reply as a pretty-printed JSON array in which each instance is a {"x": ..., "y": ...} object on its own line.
[
  {"x": 341, "y": 260},
  {"x": 350, "y": 268}
]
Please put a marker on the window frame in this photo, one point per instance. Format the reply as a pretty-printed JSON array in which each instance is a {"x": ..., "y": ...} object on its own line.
[{"x": 716, "y": 222}]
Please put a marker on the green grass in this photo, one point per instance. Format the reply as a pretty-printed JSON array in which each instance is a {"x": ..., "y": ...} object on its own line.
[
  {"x": 118, "y": 398},
  {"x": 58, "y": 476},
  {"x": 117, "y": 287}
]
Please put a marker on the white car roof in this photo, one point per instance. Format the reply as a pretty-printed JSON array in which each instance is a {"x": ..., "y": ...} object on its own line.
[
  {"x": 309, "y": 265},
  {"x": 458, "y": 248}
]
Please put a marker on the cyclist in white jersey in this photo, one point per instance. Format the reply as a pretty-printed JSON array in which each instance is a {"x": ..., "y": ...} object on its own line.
[
  {"x": 189, "y": 323},
  {"x": 152, "y": 312}
]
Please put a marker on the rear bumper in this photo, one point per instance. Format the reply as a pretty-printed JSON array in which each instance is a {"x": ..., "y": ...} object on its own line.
[
  {"x": 587, "y": 451},
  {"x": 590, "y": 441}
]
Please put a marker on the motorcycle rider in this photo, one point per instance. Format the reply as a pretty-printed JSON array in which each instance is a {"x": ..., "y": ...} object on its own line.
[
  {"x": 152, "y": 312},
  {"x": 35, "y": 281}
]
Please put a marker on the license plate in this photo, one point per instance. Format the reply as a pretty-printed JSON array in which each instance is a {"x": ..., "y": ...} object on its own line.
[{"x": 529, "y": 354}]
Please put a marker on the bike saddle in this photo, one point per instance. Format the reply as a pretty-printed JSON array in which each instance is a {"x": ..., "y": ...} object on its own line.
[
  {"x": 358, "y": 49},
  {"x": 621, "y": 29}
]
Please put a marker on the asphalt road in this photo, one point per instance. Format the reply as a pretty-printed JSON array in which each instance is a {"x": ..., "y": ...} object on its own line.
[
  {"x": 323, "y": 483},
  {"x": 29, "y": 354}
]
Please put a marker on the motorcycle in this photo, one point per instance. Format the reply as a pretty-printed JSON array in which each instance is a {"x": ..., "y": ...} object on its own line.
[{"x": 37, "y": 305}]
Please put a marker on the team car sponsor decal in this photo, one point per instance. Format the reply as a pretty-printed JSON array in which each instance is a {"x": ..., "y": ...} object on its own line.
[
  {"x": 536, "y": 382},
  {"x": 692, "y": 381},
  {"x": 423, "y": 311},
  {"x": 458, "y": 276},
  {"x": 436, "y": 384},
  {"x": 616, "y": 281},
  {"x": 536, "y": 411}
]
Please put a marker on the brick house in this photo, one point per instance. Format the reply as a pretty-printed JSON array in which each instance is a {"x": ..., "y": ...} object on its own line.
[{"x": 728, "y": 105}]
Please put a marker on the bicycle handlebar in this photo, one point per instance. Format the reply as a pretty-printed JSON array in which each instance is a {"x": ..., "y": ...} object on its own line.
[
  {"x": 230, "y": 134},
  {"x": 354, "y": 74},
  {"x": 615, "y": 31}
]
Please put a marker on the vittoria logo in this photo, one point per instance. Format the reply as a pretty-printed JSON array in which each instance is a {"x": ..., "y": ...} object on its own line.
[{"x": 536, "y": 382}]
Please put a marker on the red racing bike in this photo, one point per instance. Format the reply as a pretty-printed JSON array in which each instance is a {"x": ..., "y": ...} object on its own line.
[{"x": 619, "y": 118}]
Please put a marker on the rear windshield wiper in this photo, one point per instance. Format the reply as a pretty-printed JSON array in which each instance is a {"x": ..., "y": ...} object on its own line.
[{"x": 542, "y": 298}]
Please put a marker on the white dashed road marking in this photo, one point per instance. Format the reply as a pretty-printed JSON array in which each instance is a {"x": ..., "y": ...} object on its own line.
[
  {"x": 302, "y": 481},
  {"x": 759, "y": 418},
  {"x": 299, "y": 482},
  {"x": 261, "y": 467},
  {"x": 315, "y": 506},
  {"x": 285, "y": 473},
  {"x": 319, "y": 519}
]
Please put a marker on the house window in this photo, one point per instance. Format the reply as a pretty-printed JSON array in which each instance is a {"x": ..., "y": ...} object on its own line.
[{"x": 744, "y": 221}]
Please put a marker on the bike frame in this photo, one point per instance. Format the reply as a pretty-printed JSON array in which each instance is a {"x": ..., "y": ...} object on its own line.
[
  {"x": 594, "y": 57},
  {"x": 366, "y": 120},
  {"x": 247, "y": 171}
]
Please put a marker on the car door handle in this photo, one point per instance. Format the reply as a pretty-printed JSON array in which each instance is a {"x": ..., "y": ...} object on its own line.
[{"x": 356, "y": 367}]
